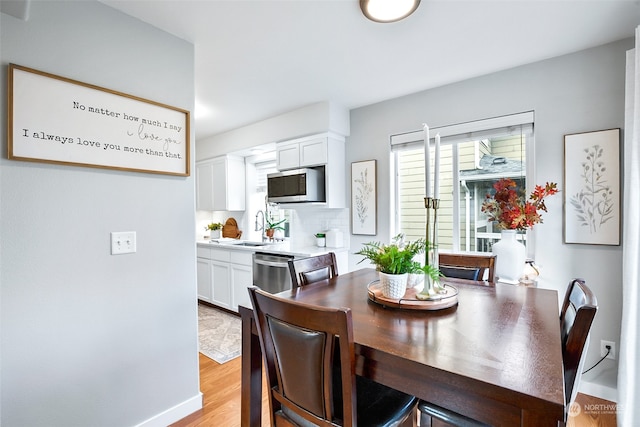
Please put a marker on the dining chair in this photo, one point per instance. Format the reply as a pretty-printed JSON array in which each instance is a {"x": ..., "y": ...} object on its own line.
[
  {"x": 313, "y": 269},
  {"x": 576, "y": 317},
  {"x": 470, "y": 266},
  {"x": 309, "y": 360}
]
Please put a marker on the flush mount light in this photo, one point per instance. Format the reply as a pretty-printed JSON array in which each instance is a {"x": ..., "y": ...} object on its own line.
[{"x": 388, "y": 10}]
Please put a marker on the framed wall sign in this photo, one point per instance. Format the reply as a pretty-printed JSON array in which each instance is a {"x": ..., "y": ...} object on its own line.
[
  {"x": 592, "y": 187},
  {"x": 53, "y": 119},
  {"x": 363, "y": 197}
]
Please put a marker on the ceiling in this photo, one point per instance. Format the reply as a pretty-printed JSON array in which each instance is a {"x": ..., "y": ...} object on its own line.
[{"x": 261, "y": 58}]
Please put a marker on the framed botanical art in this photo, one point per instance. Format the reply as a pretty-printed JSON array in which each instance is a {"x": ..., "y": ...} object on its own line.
[
  {"x": 592, "y": 199},
  {"x": 363, "y": 197}
]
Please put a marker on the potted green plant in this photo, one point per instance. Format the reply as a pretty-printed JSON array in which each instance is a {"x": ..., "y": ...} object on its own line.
[
  {"x": 272, "y": 225},
  {"x": 214, "y": 229},
  {"x": 395, "y": 262}
]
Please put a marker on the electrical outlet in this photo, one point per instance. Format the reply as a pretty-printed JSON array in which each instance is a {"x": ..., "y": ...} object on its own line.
[
  {"x": 603, "y": 349},
  {"x": 123, "y": 242}
]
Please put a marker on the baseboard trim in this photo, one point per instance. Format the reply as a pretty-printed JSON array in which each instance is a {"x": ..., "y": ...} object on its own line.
[
  {"x": 174, "y": 414},
  {"x": 598, "y": 390}
]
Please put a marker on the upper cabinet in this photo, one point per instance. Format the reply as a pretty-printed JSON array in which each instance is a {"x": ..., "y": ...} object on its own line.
[
  {"x": 304, "y": 152},
  {"x": 325, "y": 150},
  {"x": 220, "y": 184}
]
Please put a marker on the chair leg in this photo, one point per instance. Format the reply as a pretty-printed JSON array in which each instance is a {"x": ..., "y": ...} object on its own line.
[
  {"x": 412, "y": 420},
  {"x": 425, "y": 419}
]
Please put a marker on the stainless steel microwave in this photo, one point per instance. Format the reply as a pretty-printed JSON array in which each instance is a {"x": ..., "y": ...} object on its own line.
[{"x": 296, "y": 186}]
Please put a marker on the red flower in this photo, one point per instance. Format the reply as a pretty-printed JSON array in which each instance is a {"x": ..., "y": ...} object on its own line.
[{"x": 510, "y": 209}]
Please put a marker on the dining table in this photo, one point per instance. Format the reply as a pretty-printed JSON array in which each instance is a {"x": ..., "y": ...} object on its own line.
[{"x": 495, "y": 356}]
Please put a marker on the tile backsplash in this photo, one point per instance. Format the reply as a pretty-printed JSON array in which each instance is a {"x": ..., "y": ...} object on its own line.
[
  {"x": 307, "y": 220},
  {"x": 304, "y": 222}
]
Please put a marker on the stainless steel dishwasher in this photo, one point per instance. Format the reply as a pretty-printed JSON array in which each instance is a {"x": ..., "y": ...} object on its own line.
[{"x": 271, "y": 272}]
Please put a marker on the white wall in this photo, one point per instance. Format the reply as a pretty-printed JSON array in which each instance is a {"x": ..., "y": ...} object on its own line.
[
  {"x": 575, "y": 93},
  {"x": 308, "y": 120},
  {"x": 87, "y": 338}
]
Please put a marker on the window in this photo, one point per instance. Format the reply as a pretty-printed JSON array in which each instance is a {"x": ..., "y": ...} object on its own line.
[{"x": 472, "y": 157}]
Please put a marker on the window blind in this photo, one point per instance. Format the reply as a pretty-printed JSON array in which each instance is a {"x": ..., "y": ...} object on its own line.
[
  {"x": 262, "y": 170},
  {"x": 513, "y": 124}
]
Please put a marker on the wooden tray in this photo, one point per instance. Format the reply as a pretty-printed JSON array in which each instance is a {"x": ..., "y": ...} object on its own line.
[{"x": 410, "y": 302}]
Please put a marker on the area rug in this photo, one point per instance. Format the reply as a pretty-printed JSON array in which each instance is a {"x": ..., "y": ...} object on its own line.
[{"x": 218, "y": 334}]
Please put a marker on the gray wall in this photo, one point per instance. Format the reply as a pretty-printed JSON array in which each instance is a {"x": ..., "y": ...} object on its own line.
[
  {"x": 575, "y": 93},
  {"x": 87, "y": 338}
]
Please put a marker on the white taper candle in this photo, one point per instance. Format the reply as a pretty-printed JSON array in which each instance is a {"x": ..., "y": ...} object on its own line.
[
  {"x": 436, "y": 170},
  {"x": 427, "y": 162}
]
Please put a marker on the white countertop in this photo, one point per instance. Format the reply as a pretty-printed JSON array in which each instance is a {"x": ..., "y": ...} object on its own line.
[{"x": 285, "y": 248}]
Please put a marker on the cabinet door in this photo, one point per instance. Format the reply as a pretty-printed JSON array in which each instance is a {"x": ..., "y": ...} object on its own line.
[
  {"x": 235, "y": 184},
  {"x": 204, "y": 279},
  {"x": 241, "y": 279},
  {"x": 221, "y": 280},
  {"x": 204, "y": 186},
  {"x": 287, "y": 156},
  {"x": 313, "y": 152},
  {"x": 219, "y": 184}
]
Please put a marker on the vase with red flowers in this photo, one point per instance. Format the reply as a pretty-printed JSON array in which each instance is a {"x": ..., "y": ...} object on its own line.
[{"x": 513, "y": 212}]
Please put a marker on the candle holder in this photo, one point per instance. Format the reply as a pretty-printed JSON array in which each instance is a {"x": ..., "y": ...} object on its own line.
[{"x": 432, "y": 286}]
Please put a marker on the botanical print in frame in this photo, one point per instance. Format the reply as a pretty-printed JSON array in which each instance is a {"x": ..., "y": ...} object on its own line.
[
  {"x": 592, "y": 187},
  {"x": 363, "y": 197}
]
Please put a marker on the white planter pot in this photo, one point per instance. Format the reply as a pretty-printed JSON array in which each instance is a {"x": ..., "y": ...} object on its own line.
[
  {"x": 214, "y": 234},
  {"x": 510, "y": 257},
  {"x": 393, "y": 286}
]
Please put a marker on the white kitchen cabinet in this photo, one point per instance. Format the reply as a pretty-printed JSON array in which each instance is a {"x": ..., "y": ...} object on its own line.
[
  {"x": 288, "y": 156},
  {"x": 314, "y": 152},
  {"x": 241, "y": 278},
  {"x": 224, "y": 276},
  {"x": 323, "y": 150},
  {"x": 220, "y": 184},
  {"x": 205, "y": 291},
  {"x": 306, "y": 152},
  {"x": 203, "y": 273},
  {"x": 220, "y": 277}
]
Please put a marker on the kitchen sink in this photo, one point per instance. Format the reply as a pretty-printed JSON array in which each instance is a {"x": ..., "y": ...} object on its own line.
[{"x": 235, "y": 242}]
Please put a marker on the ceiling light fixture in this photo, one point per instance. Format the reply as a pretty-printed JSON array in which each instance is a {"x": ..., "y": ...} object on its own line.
[{"x": 388, "y": 10}]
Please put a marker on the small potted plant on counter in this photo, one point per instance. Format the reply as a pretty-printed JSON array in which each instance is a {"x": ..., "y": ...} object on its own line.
[
  {"x": 215, "y": 228},
  {"x": 273, "y": 225}
]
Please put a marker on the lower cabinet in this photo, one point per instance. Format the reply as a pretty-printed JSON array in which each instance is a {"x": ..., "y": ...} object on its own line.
[
  {"x": 205, "y": 291},
  {"x": 224, "y": 276},
  {"x": 241, "y": 280},
  {"x": 220, "y": 278}
]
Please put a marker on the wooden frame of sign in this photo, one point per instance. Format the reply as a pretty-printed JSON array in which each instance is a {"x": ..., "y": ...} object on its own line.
[{"x": 54, "y": 119}]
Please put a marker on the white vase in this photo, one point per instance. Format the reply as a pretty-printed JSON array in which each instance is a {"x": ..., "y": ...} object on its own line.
[
  {"x": 510, "y": 257},
  {"x": 214, "y": 234},
  {"x": 393, "y": 286}
]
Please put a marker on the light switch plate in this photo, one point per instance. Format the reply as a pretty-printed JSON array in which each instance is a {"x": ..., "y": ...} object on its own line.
[{"x": 123, "y": 242}]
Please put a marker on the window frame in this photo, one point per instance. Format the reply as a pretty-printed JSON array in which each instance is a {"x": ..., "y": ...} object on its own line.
[{"x": 455, "y": 135}]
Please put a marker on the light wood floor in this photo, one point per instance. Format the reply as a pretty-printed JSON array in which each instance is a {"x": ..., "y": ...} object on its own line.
[{"x": 220, "y": 385}]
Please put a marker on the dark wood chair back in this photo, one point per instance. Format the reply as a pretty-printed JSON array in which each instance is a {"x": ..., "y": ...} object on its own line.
[
  {"x": 468, "y": 266},
  {"x": 309, "y": 357},
  {"x": 576, "y": 317},
  {"x": 312, "y": 269}
]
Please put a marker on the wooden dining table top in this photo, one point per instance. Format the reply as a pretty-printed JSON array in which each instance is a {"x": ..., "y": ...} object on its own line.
[{"x": 495, "y": 356}]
